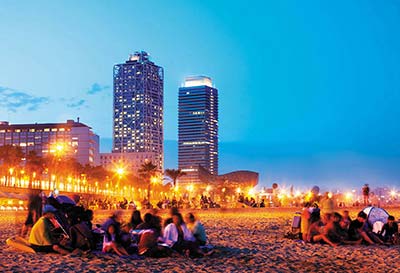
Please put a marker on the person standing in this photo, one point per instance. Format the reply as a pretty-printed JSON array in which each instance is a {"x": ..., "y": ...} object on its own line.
[
  {"x": 365, "y": 192},
  {"x": 327, "y": 204}
]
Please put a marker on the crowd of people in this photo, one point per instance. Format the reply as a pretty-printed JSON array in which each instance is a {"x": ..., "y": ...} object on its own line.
[
  {"x": 67, "y": 228},
  {"x": 185, "y": 202},
  {"x": 334, "y": 228},
  {"x": 250, "y": 201}
]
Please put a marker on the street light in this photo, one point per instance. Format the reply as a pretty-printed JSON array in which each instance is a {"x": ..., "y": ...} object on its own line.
[{"x": 120, "y": 171}]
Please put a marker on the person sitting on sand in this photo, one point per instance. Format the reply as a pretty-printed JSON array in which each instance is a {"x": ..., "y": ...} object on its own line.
[
  {"x": 112, "y": 240},
  {"x": 305, "y": 221},
  {"x": 81, "y": 233},
  {"x": 147, "y": 222},
  {"x": 357, "y": 229},
  {"x": 168, "y": 220},
  {"x": 346, "y": 220},
  {"x": 334, "y": 231},
  {"x": 319, "y": 230},
  {"x": 149, "y": 239},
  {"x": 136, "y": 219},
  {"x": 34, "y": 206},
  {"x": 41, "y": 238},
  {"x": 390, "y": 231},
  {"x": 177, "y": 236},
  {"x": 197, "y": 229}
]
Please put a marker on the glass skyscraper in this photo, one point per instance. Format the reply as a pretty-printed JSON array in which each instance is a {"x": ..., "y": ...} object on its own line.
[
  {"x": 138, "y": 107},
  {"x": 197, "y": 128}
]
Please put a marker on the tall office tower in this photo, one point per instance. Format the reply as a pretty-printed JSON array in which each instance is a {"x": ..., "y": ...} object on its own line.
[
  {"x": 138, "y": 107},
  {"x": 197, "y": 128}
]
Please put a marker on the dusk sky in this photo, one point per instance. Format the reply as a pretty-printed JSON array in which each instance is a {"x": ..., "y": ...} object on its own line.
[{"x": 309, "y": 91}]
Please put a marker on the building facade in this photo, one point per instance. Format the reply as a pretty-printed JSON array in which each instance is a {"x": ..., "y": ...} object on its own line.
[
  {"x": 138, "y": 107},
  {"x": 131, "y": 162},
  {"x": 197, "y": 128},
  {"x": 76, "y": 139}
]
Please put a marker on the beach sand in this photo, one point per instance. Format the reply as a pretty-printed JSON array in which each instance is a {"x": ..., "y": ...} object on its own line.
[{"x": 246, "y": 240}]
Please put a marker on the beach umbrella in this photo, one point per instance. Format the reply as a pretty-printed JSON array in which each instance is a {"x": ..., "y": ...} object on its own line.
[{"x": 63, "y": 199}]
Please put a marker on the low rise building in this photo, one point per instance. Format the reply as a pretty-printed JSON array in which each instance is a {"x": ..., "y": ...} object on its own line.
[
  {"x": 72, "y": 139},
  {"x": 130, "y": 162}
]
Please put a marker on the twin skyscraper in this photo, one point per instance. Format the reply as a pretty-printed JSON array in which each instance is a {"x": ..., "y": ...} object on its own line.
[{"x": 138, "y": 112}]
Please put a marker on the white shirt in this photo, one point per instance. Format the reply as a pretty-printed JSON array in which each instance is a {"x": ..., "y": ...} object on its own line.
[{"x": 170, "y": 234}]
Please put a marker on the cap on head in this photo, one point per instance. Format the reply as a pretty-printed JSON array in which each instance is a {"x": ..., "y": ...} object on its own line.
[{"x": 362, "y": 215}]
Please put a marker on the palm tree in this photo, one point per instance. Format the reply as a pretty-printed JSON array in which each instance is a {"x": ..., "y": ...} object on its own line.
[
  {"x": 10, "y": 157},
  {"x": 95, "y": 174},
  {"x": 146, "y": 171},
  {"x": 174, "y": 174},
  {"x": 34, "y": 166}
]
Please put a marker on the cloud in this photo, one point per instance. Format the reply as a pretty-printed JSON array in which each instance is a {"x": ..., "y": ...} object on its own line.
[
  {"x": 74, "y": 103},
  {"x": 12, "y": 100},
  {"x": 97, "y": 88}
]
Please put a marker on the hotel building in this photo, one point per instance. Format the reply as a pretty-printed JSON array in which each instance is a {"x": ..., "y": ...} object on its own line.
[
  {"x": 197, "y": 128},
  {"x": 138, "y": 108},
  {"x": 76, "y": 139}
]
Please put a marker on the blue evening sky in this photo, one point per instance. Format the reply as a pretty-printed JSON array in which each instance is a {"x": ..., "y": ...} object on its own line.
[{"x": 308, "y": 90}]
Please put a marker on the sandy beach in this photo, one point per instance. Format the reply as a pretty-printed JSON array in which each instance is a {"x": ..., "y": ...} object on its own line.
[{"x": 246, "y": 240}]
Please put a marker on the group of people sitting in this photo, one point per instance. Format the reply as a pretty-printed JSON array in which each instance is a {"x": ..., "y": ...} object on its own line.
[
  {"x": 335, "y": 228},
  {"x": 62, "y": 230},
  {"x": 71, "y": 230},
  {"x": 153, "y": 237}
]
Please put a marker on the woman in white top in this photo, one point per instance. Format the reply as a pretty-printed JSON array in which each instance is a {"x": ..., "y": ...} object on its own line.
[{"x": 178, "y": 237}]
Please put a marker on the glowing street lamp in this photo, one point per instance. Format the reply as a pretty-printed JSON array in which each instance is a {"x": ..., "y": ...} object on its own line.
[
  {"x": 176, "y": 189},
  {"x": 154, "y": 180},
  {"x": 189, "y": 188},
  {"x": 251, "y": 192},
  {"x": 120, "y": 171},
  {"x": 349, "y": 196},
  {"x": 59, "y": 147}
]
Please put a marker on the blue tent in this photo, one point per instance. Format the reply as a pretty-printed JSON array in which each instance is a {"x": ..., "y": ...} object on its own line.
[{"x": 376, "y": 217}]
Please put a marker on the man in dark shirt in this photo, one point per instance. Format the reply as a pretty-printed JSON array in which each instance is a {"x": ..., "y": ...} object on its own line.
[
  {"x": 358, "y": 228},
  {"x": 390, "y": 230}
]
